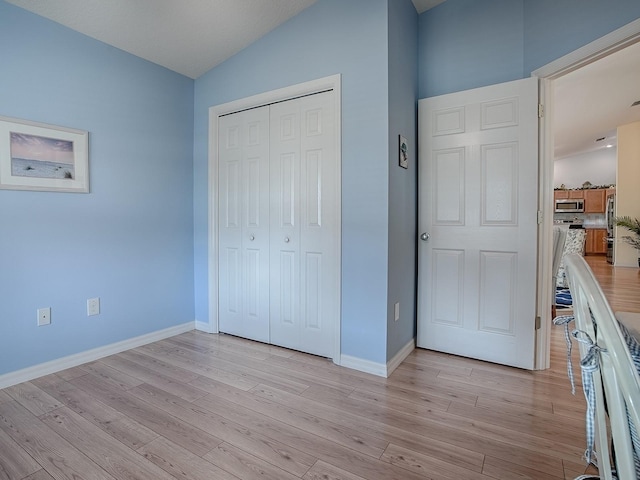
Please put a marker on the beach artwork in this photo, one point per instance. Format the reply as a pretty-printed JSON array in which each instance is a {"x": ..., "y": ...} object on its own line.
[{"x": 42, "y": 157}]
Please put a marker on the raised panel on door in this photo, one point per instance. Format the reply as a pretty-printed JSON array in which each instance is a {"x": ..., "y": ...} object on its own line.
[
  {"x": 304, "y": 224},
  {"x": 478, "y": 203},
  {"x": 285, "y": 224},
  {"x": 318, "y": 225},
  {"x": 243, "y": 216}
]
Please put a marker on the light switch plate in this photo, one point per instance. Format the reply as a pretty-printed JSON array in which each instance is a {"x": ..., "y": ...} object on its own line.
[{"x": 93, "y": 306}]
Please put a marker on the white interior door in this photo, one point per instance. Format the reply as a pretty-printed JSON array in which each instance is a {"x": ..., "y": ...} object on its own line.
[
  {"x": 243, "y": 203},
  {"x": 304, "y": 224},
  {"x": 478, "y": 219}
]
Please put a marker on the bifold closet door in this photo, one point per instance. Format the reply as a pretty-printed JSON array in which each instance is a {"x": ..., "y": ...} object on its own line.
[
  {"x": 243, "y": 219},
  {"x": 304, "y": 241}
]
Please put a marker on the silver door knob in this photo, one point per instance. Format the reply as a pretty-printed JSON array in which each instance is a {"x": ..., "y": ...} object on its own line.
[
  {"x": 424, "y": 237},
  {"x": 286, "y": 239},
  {"x": 252, "y": 238}
]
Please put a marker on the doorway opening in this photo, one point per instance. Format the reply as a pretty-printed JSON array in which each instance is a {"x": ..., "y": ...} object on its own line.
[{"x": 590, "y": 53}]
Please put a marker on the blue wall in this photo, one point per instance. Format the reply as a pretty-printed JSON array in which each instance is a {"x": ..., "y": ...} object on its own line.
[
  {"x": 467, "y": 44},
  {"x": 554, "y": 28},
  {"x": 332, "y": 36},
  {"x": 139, "y": 239},
  {"x": 130, "y": 241},
  {"x": 403, "y": 94}
]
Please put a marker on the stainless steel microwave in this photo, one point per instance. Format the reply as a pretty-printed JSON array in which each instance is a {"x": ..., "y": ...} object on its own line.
[{"x": 570, "y": 205}]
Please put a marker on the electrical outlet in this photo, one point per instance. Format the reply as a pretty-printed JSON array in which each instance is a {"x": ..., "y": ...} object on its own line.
[
  {"x": 93, "y": 306},
  {"x": 396, "y": 311},
  {"x": 44, "y": 316}
]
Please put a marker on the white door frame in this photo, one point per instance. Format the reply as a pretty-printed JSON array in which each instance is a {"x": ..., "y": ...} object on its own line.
[
  {"x": 606, "y": 45},
  {"x": 332, "y": 82}
]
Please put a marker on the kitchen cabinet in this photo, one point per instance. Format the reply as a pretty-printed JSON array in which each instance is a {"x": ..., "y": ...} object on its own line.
[
  {"x": 576, "y": 193},
  {"x": 595, "y": 200},
  {"x": 560, "y": 194},
  {"x": 567, "y": 194},
  {"x": 596, "y": 241}
]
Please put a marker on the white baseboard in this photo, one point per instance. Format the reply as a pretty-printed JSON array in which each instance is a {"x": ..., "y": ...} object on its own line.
[
  {"x": 204, "y": 327},
  {"x": 379, "y": 369},
  {"x": 399, "y": 357},
  {"x": 29, "y": 373}
]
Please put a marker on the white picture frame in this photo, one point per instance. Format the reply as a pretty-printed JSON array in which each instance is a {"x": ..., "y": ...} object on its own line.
[
  {"x": 403, "y": 152},
  {"x": 42, "y": 157}
]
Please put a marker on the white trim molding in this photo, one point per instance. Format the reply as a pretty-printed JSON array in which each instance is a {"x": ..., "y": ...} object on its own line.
[
  {"x": 378, "y": 369},
  {"x": 600, "y": 48},
  {"x": 35, "y": 371}
]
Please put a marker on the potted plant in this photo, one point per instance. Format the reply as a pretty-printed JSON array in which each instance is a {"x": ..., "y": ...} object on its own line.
[{"x": 633, "y": 225}]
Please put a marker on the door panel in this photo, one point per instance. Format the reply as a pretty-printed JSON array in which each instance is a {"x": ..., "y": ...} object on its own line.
[
  {"x": 304, "y": 224},
  {"x": 478, "y": 203},
  {"x": 244, "y": 224}
]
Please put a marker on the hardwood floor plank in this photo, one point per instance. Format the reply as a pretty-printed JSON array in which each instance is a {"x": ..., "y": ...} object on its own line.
[
  {"x": 165, "y": 369},
  {"x": 512, "y": 401},
  {"x": 15, "y": 462},
  {"x": 181, "y": 463},
  {"x": 49, "y": 449},
  {"x": 244, "y": 465},
  {"x": 113, "y": 422},
  {"x": 193, "y": 439},
  {"x": 183, "y": 359},
  {"x": 287, "y": 414},
  {"x": 32, "y": 398},
  {"x": 71, "y": 373},
  {"x": 39, "y": 475},
  {"x": 114, "y": 457},
  {"x": 235, "y": 367},
  {"x": 345, "y": 458},
  {"x": 563, "y": 429},
  {"x": 468, "y": 435},
  {"x": 265, "y": 448},
  {"x": 399, "y": 404},
  {"x": 4, "y": 397},
  {"x": 300, "y": 378},
  {"x": 424, "y": 444},
  {"x": 325, "y": 471},
  {"x": 110, "y": 375},
  {"x": 426, "y": 466},
  {"x": 146, "y": 375},
  {"x": 504, "y": 470}
]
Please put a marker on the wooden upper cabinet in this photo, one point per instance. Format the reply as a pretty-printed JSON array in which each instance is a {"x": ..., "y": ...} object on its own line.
[
  {"x": 560, "y": 194},
  {"x": 576, "y": 193},
  {"x": 595, "y": 200}
]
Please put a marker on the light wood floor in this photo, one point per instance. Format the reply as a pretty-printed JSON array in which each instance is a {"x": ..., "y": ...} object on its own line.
[{"x": 200, "y": 406}]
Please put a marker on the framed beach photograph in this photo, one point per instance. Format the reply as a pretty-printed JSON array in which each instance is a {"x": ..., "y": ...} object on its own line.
[
  {"x": 37, "y": 156},
  {"x": 403, "y": 152}
]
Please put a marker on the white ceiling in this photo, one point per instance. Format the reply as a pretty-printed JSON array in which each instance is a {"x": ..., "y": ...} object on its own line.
[
  {"x": 193, "y": 36},
  {"x": 187, "y": 36},
  {"x": 593, "y": 101}
]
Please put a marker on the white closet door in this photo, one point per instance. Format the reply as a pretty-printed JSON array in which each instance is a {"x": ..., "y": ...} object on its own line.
[
  {"x": 304, "y": 225},
  {"x": 243, "y": 169}
]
